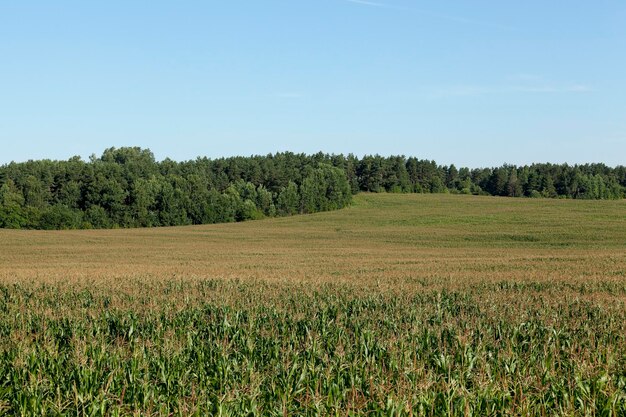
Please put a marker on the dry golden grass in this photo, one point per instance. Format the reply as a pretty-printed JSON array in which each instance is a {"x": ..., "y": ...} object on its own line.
[
  {"x": 406, "y": 240},
  {"x": 399, "y": 305}
]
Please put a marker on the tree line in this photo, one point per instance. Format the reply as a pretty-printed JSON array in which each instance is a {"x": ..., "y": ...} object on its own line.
[
  {"x": 127, "y": 187},
  {"x": 400, "y": 174}
]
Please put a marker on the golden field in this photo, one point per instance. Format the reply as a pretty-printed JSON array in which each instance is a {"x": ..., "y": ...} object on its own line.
[
  {"x": 398, "y": 305},
  {"x": 387, "y": 239}
]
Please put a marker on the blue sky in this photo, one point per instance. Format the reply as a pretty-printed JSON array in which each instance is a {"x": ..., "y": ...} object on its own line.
[{"x": 470, "y": 82}]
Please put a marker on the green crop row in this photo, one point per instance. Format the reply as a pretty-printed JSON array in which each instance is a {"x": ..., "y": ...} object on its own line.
[{"x": 236, "y": 348}]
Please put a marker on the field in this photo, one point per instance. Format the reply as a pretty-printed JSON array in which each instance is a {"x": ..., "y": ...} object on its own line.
[{"x": 399, "y": 305}]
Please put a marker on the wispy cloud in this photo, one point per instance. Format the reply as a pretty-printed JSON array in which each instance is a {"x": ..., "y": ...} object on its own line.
[
  {"x": 288, "y": 95},
  {"x": 483, "y": 90},
  {"x": 368, "y": 3},
  {"x": 581, "y": 88},
  {"x": 440, "y": 16},
  {"x": 576, "y": 88},
  {"x": 533, "y": 83},
  {"x": 461, "y": 19},
  {"x": 524, "y": 77}
]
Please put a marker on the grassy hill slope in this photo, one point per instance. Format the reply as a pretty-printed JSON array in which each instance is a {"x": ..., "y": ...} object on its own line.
[
  {"x": 381, "y": 237},
  {"x": 398, "y": 305}
]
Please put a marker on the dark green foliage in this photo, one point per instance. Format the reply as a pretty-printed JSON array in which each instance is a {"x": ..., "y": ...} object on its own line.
[
  {"x": 288, "y": 199},
  {"x": 325, "y": 188},
  {"x": 12, "y": 213},
  {"x": 60, "y": 216},
  {"x": 97, "y": 217},
  {"x": 126, "y": 187}
]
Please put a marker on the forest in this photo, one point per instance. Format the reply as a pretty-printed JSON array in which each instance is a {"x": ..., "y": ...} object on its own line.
[{"x": 126, "y": 187}]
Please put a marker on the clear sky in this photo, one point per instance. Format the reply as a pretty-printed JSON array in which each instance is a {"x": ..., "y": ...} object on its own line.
[{"x": 470, "y": 82}]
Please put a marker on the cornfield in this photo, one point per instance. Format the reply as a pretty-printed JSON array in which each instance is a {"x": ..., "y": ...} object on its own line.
[{"x": 398, "y": 306}]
